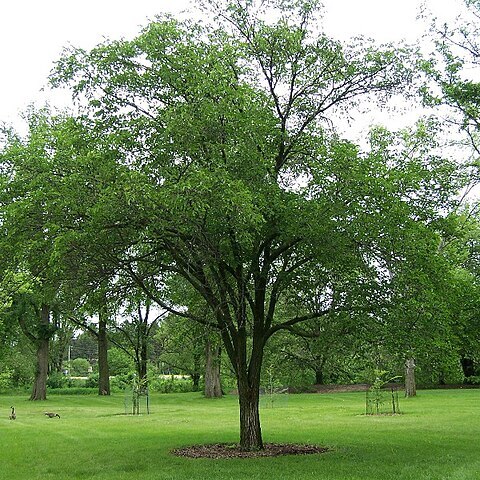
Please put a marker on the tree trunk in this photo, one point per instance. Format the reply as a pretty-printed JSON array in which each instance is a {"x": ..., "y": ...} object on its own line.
[
  {"x": 39, "y": 391},
  {"x": 197, "y": 367},
  {"x": 250, "y": 431},
  {"x": 248, "y": 381},
  {"x": 247, "y": 368},
  {"x": 213, "y": 388},
  {"x": 468, "y": 367},
  {"x": 410, "y": 385},
  {"x": 142, "y": 369},
  {"x": 103, "y": 370},
  {"x": 319, "y": 376},
  {"x": 195, "y": 381}
]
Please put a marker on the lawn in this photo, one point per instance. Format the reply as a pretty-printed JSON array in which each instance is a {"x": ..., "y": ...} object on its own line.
[{"x": 437, "y": 437}]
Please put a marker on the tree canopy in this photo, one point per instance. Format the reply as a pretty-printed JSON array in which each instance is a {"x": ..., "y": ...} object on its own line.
[{"x": 209, "y": 153}]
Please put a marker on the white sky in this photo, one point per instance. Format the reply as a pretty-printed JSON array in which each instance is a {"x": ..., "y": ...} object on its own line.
[{"x": 33, "y": 33}]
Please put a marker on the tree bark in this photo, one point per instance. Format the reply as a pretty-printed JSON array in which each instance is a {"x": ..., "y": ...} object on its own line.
[
  {"x": 410, "y": 384},
  {"x": 195, "y": 381},
  {"x": 248, "y": 380},
  {"x": 197, "y": 367},
  {"x": 468, "y": 367},
  {"x": 250, "y": 431},
  {"x": 142, "y": 368},
  {"x": 213, "y": 388},
  {"x": 39, "y": 391},
  {"x": 319, "y": 376},
  {"x": 103, "y": 369}
]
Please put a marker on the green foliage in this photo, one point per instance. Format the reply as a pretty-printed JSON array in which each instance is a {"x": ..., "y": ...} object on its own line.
[
  {"x": 119, "y": 362},
  {"x": 379, "y": 399},
  {"x": 472, "y": 380},
  {"x": 6, "y": 382},
  {"x": 458, "y": 53},
  {"x": 84, "y": 346},
  {"x": 171, "y": 384},
  {"x": 57, "y": 380},
  {"x": 156, "y": 383},
  {"x": 92, "y": 381},
  {"x": 207, "y": 161},
  {"x": 181, "y": 344},
  {"x": 439, "y": 368},
  {"x": 76, "y": 383},
  {"x": 18, "y": 362},
  {"x": 79, "y": 367}
]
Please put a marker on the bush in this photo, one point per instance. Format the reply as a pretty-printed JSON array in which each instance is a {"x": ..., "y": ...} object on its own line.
[
  {"x": 119, "y": 362},
  {"x": 20, "y": 364},
  {"x": 57, "y": 380},
  {"x": 6, "y": 380},
  {"x": 171, "y": 384},
  {"x": 121, "y": 382},
  {"x": 76, "y": 382},
  {"x": 79, "y": 367},
  {"x": 473, "y": 380},
  {"x": 92, "y": 381}
]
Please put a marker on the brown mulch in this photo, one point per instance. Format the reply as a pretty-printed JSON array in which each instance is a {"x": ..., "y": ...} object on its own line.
[{"x": 222, "y": 450}]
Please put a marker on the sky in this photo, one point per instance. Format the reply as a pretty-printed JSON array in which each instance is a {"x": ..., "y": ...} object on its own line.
[{"x": 34, "y": 32}]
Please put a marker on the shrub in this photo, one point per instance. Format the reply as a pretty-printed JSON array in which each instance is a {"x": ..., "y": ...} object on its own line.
[
  {"x": 76, "y": 382},
  {"x": 57, "y": 380},
  {"x": 171, "y": 384},
  {"x": 79, "y": 367},
  {"x": 473, "y": 380},
  {"x": 6, "y": 379},
  {"x": 92, "y": 381},
  {"x": 20, "y": 364},
  {"x": 119, "y": 362},
  {"x": 121, "y": 382}
]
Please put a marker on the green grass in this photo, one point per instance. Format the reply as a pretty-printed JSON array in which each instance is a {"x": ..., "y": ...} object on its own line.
[{"x": 437, "y": 437}]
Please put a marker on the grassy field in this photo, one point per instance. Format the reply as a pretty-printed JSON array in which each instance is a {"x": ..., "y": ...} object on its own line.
[{"x": 437, "y": 437}]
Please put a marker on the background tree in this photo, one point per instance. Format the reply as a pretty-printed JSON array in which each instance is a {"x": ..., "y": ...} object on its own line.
[
  {"x": 83, "y": 346},
  {"x": 54, "y": 179},
  {"x": 136, "y": 327},
  {"x": 60, "y": 343},
  {"x": 182, "y": 348},
  {"x": 327, "y": 351},
  {"x": 30, "y": 214},
  {"x": 463, "y": 252}
]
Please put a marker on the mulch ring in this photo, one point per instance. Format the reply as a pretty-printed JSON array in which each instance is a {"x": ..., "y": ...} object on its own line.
[{"x": 224, "y": 450}]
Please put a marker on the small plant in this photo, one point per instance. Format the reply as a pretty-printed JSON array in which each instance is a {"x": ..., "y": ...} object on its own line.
[
  {"x": 133, "y": 395},
  {"x": 378, "y": 396},
  {"x": 274, "y": 390}
]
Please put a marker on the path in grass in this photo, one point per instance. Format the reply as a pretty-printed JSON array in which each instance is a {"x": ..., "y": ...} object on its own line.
[{"x": 435, "y": 438}]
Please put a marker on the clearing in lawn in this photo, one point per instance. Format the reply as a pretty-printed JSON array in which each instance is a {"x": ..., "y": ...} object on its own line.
[{"x": 436, "y": 437}]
